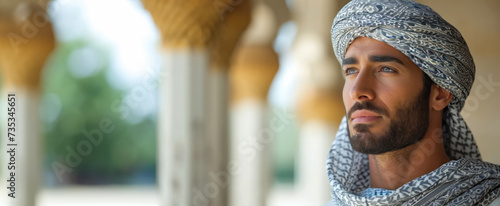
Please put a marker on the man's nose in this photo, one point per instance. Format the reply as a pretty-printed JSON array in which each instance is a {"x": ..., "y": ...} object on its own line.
[{"x": 362, "y": 89}]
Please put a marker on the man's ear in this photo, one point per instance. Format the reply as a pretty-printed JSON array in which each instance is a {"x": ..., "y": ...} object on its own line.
[{"x": 440, "y": 98}]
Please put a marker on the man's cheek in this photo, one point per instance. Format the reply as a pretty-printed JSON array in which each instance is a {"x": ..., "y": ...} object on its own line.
[{"x": 347, "y": 101}]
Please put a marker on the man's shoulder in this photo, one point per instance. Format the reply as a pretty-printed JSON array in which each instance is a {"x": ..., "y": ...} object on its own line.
[
  {"x": 482, "y": 179},
  {"x": 477, "y": 166},
  {"x": 475, "y": 171}
]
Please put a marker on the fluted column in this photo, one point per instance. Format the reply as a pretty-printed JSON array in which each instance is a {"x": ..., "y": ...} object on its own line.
[
  {"x": 320, "y": 111},
  {"x": 186, "y": 29},
  {"x": 26, "y": 41},
  {"x": 198, "y": 37},
  {"x": 225, "y": 40},
  {"x": 251, "y": 75},
  {"x": 320, "y": 106}
]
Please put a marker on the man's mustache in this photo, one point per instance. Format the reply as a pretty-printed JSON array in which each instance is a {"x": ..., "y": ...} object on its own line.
[{"x": 366, "y": 105}]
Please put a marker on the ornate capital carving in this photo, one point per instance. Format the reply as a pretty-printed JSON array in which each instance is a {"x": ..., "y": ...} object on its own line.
[
  {"x": 252, "y": 72},
  {"x": 228, "y": 35},
  {"x": 26, "y": 41},
  {"x": 188, "y": 23},
  {"x": 321, "y": 105}
]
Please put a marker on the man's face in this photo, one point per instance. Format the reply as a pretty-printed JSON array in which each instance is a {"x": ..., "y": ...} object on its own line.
[{"x": 387, "y": 108}]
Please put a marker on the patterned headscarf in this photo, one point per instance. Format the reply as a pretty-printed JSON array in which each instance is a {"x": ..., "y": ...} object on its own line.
[{"x": 432, "y": 44}]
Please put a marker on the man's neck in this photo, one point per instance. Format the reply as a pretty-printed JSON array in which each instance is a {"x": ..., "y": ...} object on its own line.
[{"x": 392, "y": 170}]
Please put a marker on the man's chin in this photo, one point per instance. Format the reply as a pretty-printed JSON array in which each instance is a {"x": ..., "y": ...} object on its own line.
[
  {"x": 367, "y": 143},
  {"x": 369, "y": 150}
]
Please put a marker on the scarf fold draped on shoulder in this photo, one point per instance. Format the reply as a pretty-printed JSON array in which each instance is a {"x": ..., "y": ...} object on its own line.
[{"x": 437, "y": 48}]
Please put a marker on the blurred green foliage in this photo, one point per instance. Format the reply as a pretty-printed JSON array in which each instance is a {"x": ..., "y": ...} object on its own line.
[
  {"x": 285, "y": 149},
  {"x": 125, "y": 156}
]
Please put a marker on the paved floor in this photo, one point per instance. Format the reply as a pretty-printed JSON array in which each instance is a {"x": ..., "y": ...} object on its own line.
[{"x": 281, "y": 195}]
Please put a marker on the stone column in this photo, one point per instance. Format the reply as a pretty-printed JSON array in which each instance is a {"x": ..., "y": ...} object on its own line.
[
  {"x": 225, "y": 40},
  {"x": 320, "y": 105},
  {"x": 198, "y": 37},
  {"x": 26, "y": 41},
  {"x": 251, "y": 77},
  {"x": 252, "y": 73}
]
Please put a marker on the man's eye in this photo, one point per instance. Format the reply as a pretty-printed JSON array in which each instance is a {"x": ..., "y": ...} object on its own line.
[
  {"x": 350, "y": 71},
  {"x": 387, "y": 69}
]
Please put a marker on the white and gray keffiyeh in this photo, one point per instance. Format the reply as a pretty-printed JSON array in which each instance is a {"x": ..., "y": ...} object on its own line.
[{"x": 441, "y": 52}]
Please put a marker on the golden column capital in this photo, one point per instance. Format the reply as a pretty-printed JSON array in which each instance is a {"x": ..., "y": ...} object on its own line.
[
  {"x": 321, "y": 105},
  {"x": 188, "y": 23},
  {"x": 252, "y": 72},
  {"x": 228, "y": 35},
  {"x": 26, "y": 41}
]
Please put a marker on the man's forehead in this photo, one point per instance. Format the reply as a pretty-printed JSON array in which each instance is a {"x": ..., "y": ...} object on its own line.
[
  {"x": 374, "y": 50},
  {"x": 367, "y": 45}
]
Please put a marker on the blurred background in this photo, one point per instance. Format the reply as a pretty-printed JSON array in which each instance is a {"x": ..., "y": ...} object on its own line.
[{"x": 192, "y": 102}]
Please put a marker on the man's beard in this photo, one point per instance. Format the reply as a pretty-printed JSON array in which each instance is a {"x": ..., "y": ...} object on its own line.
[{"x": 407, "y": 127}]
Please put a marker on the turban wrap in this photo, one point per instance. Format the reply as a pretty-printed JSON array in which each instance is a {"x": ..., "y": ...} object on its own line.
[
  {"x": 429, "y": 41},
  {"x": 435, "y": 46}
]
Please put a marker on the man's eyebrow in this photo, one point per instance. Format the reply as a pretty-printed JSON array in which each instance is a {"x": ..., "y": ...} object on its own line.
[
  {"x": 385, "y": 59},
  {"x": 350, "y": 60}
]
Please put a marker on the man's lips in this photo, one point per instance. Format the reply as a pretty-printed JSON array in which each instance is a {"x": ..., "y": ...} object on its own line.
[{"x": 364, "y": 116}]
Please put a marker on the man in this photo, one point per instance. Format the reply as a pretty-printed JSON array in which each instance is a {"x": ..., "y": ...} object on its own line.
[{"x": 403, "y": 140}]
